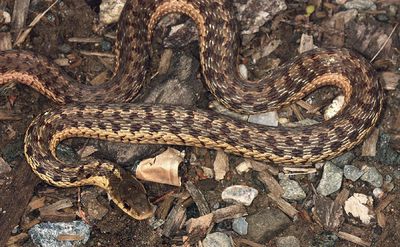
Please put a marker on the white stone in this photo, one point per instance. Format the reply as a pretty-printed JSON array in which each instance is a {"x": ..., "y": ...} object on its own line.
[{"x": 240, "y": 194}]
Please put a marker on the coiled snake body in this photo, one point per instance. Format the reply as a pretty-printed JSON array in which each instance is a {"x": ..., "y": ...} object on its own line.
[{"x": 152, "y": 124}]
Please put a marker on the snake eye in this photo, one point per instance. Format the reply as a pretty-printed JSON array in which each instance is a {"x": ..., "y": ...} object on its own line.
[{"x": 126, "y": 206}]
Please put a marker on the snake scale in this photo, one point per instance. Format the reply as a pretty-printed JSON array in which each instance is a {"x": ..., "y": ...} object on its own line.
[{"x": 102, "y": 112}]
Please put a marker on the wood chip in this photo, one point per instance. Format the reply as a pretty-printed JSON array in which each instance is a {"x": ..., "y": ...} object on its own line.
[
  {"x": 37, "y": 203},
  {"x": 198, "y": 198},
  {"x": 390, "y": 79},
  {"x": 85, "y": 40},
  {"x": 297, "y": 112},
  {"x": 306, "y": 43},
  {"x": 5, "y": 41},
  {"x": 380, "y": 216},
  {"x": 20, "y": 13},
  {"x": 199, "y": 227},
  {"x": 369, "y": 145},
  {"x": 328, "y": 213},
  {"x": 271, "y": 183},
  {"x": 299, "y": 170},
  {"x": 176, "y": 217},
  {"x": 353, "y": 239},
  {"x": 69, "y": 237},
  {"x": 17, "y": 239},
  {"x": 284, "y": 206},
  {"x": 231, "y": 212},
  {"x": 165, "y": 62},
  {"x": 164, "y": 207},
  {"x": 97, "y": 54},
  {"x": 51, "y": 212},
  {"x": 221, "y": 165},
  {"x": 246, "y": 242},
  {"x": 100, "y": 78}
]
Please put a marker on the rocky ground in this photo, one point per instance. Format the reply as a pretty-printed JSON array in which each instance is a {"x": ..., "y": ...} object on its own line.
[{"x": 223, "y": 200}]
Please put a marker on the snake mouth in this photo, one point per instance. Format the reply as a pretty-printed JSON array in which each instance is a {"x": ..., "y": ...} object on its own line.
[{"x": 143, "y": 216}]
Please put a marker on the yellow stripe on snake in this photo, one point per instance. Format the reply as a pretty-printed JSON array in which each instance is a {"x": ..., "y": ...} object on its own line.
[{"x": 115, "y": 120}]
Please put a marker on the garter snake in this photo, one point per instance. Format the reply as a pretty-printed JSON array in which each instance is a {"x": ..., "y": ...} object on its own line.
[{"x": 102, "y": 112}]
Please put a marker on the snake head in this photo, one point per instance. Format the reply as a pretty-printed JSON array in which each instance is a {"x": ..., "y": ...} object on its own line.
[{"x": 129, "y": 194}]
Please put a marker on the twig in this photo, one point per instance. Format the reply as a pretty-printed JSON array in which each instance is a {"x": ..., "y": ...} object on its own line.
[{"x": 384, "y": 44}]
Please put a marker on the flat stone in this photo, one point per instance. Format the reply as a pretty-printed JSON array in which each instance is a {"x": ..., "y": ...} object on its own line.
[
  {"x": 344, "y": 159},
  {"x": 372, "y": 176},
  {"x": 265, "y": 224},
  {"x": 289, "y": 241},
  {"x": 292, "y": 190},
  {"x": 240, "y": 194},
  {"x": 331, "y": 180},
  {"x": 267, "y": 118},
  {"x": 240, "y": 226},
  {"x": 217, "y": 239},
  {"x": 360, "y": 5},
  {"x": 352, "y": 172}
]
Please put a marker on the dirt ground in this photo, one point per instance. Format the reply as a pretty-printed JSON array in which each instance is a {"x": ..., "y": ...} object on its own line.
[{"x": 76, "y": 18}]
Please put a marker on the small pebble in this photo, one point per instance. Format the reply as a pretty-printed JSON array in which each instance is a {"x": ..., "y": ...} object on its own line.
[
  {"x": 240, "y": 226},
  {"x": 243, "y": 71},
  {"x": 292, "y": 190},
  {"x": 344, "y": 159},
  {"x": 382, "y": 17},
  {"x": 244, "y": 167},
  {"x": 372, "y": 176},
  {"x": 106, "y": 45},
  {"x": 217, "y": 239},
  {"x": 360, "y": 5},
  {"x": 266, "y": 118},
  {"x": 239, "y": 194},
  {"x": 334, "y": 107},
  {"x": 289, "y": 241},
  {"x": 331, "y": 180},
  {"x": 352, "y": 172},
  {"x": 378, "y": 193}
]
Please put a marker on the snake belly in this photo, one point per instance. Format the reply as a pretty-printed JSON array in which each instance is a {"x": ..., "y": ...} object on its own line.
[{"x": 181, "y": 126}]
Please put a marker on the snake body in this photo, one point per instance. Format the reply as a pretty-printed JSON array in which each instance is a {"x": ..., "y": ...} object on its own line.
[{"x": 141, "y": 123}]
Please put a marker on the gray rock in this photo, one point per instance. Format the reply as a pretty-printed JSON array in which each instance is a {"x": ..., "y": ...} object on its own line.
[
  {"x": 240, "y": 226},
  {"x": 385, "y": 153},
  {"x": 344, "y": 159},
  {"x": 289, "y": 241},
  {"x": 239, "y": 194},
  {"x": 331, "y": 180},
  {"x": 253, "y": 14},
  {"x": 292, "y": 190},
  {"x": 45, "y": 234},
  {"x": 265, "y": 224},
  {"x": 360, "y": 5},
  {"x": 325, "y": 239},
  {"x": 373, "y": 177},
  {"x": 266, "y": 118},
  {"x": 217, "y": 239},
  {"x": 352, "y": 172}
]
